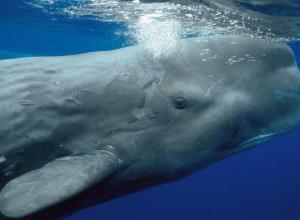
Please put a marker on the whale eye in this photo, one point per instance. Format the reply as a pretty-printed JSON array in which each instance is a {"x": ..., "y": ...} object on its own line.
[{"x": 179, "y": 102}]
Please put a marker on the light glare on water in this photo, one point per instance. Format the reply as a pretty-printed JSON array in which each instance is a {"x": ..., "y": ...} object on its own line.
[
  {"x": 158, "y": 37},
  {"x": 158, "y": 25}
]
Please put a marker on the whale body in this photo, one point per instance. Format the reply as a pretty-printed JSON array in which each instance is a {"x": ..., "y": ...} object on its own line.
[{"x": 84, "y": 129}]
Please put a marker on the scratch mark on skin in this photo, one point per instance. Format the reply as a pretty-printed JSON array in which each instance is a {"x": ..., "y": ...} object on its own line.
[
  {"x": 26, "y": 103},
  {"x": 210, "y": 88}
]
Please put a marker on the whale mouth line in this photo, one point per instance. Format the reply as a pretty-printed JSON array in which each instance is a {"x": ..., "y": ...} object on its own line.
[{"x": 259, "y": 139}]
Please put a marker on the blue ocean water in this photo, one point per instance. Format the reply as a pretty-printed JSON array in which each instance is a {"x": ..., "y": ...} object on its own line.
[
  {"x": 260, "y": 184},
  {"x": 25, "y": 31}
]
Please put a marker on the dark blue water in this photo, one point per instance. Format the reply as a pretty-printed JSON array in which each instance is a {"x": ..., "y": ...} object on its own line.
[{"x": 260, "y": 184}]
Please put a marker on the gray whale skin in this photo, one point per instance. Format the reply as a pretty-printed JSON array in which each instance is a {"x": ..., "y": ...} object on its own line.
[{"x": 80, "y": 130}]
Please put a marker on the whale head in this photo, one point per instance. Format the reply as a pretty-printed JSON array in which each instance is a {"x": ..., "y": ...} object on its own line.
[{"x": 225, "y": 95}]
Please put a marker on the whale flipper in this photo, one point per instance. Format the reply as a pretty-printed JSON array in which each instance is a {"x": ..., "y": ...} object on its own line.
[{"x": 58, "y": 180}]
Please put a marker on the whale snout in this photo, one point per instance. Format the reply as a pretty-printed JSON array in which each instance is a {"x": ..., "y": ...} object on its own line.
[
  {"x": 288, "y": 98},
  {"x": 273, "y": 105}
]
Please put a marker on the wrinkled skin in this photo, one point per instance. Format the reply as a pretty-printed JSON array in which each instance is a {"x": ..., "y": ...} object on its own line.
[{"x": 162, "y": 118}]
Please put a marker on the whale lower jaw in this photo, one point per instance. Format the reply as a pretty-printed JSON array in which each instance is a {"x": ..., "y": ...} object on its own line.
[{"x": 259, "y": 139}]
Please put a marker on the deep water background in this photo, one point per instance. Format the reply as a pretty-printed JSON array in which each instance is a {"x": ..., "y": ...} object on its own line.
[{"x": 260, "y": 184}]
